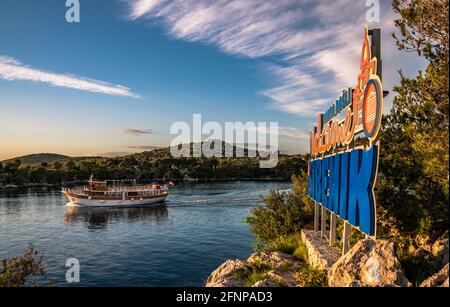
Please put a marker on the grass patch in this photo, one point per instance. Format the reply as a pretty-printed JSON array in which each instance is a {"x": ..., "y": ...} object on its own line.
[
  {"x": 292, "y": 245},
  {"x": 253, "y": 272},
  {"x": 285, "y": 266},
  {"x": 301, "y": 252},
  {"x": 254, "y": 277},
  {"x": 284, "y": 244},
  {"x": 311, "y": 277}
]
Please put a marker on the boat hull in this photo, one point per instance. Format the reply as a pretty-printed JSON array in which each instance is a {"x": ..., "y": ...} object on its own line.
[
  {"x": 89, "y": 202},
  {"x": 83, "y": 202}
]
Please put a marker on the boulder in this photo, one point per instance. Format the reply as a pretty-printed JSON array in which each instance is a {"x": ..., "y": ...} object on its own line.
[
  {"x": 440, "y": 279},
  {"x": 368, "y": 264},
  {"x": 223, "y": 275},
  {"x": 274, "y": 259},
  {"x": 280, "y": 270}
]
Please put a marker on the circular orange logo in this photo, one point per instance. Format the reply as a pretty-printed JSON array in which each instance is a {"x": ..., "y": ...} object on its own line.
[{"x": 372, "y": 108}]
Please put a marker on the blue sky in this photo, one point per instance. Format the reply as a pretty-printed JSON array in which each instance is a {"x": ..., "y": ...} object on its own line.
[{"x": 144, "y": 64}]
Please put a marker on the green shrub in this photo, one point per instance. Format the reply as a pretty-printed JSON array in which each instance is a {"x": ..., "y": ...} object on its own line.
[
  {"x": 354, "y": 237},
  {"x": 283, "y": 214},
  {"x": 17, "y": 272},
  {"x": 417, "y": 267},
  {"x": 311, "y": 277}
]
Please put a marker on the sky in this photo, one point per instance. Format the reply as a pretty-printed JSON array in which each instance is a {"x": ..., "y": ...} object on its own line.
[{"x": 116, "y": 81}]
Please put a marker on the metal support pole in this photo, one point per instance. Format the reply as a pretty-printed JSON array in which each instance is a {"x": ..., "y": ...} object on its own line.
[
  {"x": 323, "y": 227},
  {"x": 316, "y": 216},
  {"x": 332, "y": 229},
  {"x": 345, "y": 238}
]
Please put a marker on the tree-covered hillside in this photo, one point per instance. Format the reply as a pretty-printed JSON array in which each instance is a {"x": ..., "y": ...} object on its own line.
[
  {"x": 152, "y": 165},
  {"x": 37, "y": 158}
]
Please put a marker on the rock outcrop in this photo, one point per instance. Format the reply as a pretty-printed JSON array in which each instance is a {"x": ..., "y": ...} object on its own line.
[
  {"x": 368, "y": 264},
  {"x": 223, "y": 275},
  {"x": 440, "y": 279},
  {"x": 279, "y": 269}
]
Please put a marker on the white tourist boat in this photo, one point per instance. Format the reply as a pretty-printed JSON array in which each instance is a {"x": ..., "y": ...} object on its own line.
[{"x": 116, "y": 193}]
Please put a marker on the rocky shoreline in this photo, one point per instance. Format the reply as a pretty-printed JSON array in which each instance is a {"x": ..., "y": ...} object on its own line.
[
  {"x": 275, "y": 269},
  {"x": 369, "y": 263}
]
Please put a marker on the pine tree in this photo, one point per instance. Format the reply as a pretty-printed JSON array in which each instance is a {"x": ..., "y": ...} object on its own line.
[{"x": 414, "y": 186}]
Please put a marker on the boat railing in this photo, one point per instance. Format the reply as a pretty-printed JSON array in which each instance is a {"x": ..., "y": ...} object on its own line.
[
  {"x": 154, "y": 189},
  {"x": 138, "y": 188}
]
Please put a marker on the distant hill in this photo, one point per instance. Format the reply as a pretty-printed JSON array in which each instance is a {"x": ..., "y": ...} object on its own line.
[
  {"x": 113, "y": 154},
  {"x": 151, "y": 153},
  {"x": 38, "y": 158},
  {"x": 154, "y": 165}
]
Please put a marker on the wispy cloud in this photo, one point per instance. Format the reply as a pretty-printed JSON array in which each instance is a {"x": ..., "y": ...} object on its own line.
[
  {"x": 291, "y": 140},
  {"x": 282, "y": 131},
  {"x": 311, "y": 47},
  {"x": 137, "y": 132},
  {"x": 11, "y": 69},
  {"x": 140, "y": 7}
]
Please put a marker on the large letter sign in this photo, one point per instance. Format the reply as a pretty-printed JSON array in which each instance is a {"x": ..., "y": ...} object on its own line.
[
  {"x": 361, "y": 201},
  {"x": 342, "y": 176}
]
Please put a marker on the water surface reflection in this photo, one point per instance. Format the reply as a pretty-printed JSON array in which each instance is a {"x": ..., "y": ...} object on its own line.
[
  {"x": 98, "y": 218},
  {"x": 178, "y": 244}
]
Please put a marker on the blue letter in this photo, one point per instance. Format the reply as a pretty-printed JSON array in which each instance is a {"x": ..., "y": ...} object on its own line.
[
  {"x": 333, "y": 183},
  {"x": 325, "y": 169},
  {"x": 361, "y": 204},
  {"x": 318, "y": 181},
  {"x": 343, "y": 187},
  {"x": 311, "y": 179}
]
